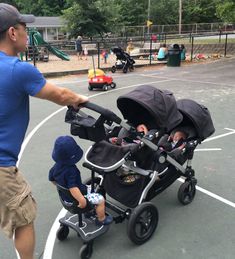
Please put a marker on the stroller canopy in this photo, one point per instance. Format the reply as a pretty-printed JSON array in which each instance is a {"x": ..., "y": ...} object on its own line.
[
  {"x": 199, "y": 115},
  {"x": 155, "y": 108},
  {"x": 117, "y": 49}
]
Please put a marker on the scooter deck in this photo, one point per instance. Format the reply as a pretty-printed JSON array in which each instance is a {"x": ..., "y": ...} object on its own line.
[{"x": 89, "y": 229}]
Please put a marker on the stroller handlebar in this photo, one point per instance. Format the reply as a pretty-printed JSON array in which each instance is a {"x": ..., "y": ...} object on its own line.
[{"x": 103, "y": 111}]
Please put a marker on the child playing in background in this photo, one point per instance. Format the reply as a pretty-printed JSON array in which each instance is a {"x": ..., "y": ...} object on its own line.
[
  {"x": 66, "y": 154},
  {"x": 105, "y": 56}
]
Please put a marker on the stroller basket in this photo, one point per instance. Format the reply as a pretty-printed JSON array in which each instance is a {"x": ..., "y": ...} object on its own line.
[{"x": 87, "y": 127}]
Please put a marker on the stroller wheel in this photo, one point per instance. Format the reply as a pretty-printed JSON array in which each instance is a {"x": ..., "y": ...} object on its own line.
[
  {"x": 186, "y": 192},
  {"x": 125, "y": 69},
  {"x": 62, "y": 232},
  {"x": 113, "y": 69},
  {"x": 113, "y": 85},
  {"x": 86, "y": 251},
  {"x": 142, "y": 223}
]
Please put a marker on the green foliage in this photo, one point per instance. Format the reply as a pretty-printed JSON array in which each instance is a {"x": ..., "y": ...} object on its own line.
[
  {"x": 225, "y": 10},
  {"x": 91, "y": 17},
  {"x": 199, "y": 11},
  {"x": 132, "y": 12},
  {"x": 164, "y": 12},
  {"x": 40, "y": 7},
  {"x": 85, "y": 18}
]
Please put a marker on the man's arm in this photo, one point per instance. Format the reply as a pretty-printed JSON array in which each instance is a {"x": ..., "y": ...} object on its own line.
[{"x": 60, "y": 95}]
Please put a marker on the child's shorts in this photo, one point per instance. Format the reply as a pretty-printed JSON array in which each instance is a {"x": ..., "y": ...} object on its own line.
[
  {"x": 93, "y": 198},
  {"x": 17, "y": 206}
]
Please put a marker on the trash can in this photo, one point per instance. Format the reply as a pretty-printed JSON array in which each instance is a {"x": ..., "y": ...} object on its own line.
[{"x": 174, "y": 56}]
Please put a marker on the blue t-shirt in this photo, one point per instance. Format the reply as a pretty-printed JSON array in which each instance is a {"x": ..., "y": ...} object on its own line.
[
  {"x": 68, "y": 176},
  {"x": 18, "y": 80}
]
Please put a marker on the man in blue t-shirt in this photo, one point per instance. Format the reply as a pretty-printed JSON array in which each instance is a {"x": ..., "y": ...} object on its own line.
[{"x": 18, "y": 81}]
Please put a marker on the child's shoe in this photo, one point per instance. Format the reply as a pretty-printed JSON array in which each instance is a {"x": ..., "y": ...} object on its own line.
[{"x": 108, "y": 220}]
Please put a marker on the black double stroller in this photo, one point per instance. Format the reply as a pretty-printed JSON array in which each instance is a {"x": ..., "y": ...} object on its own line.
[
  {"x": 123, "y": 60},
  {"x": 134, "y": 172}
]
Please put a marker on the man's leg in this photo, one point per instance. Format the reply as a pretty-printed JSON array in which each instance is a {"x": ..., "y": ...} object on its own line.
[{"x": 25, "y": 241}]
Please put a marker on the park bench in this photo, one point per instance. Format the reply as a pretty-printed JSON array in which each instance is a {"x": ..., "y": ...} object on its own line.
[
  {"x": 91, "y": 47},
  {"x": 147, "y": 45}
]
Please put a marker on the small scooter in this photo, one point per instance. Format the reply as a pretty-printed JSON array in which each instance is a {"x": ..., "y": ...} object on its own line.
[{"x": 98, "y": 79}]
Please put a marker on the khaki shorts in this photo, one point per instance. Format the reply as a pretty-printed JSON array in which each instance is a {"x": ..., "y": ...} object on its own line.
[{"x": 17, "y": 206}]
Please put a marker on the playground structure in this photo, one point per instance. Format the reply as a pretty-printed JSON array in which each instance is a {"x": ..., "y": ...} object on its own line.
[{"x": 38, "y": 49}]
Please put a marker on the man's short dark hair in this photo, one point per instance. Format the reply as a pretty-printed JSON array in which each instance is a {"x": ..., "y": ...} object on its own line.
[{"x": 3, "y": 35}]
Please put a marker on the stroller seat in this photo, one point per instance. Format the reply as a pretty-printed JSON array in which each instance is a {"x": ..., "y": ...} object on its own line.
[
  {"x": 72, "y": 206},
  {"x": 181, "y": 149},
  {"x": 106, "y": 157}
]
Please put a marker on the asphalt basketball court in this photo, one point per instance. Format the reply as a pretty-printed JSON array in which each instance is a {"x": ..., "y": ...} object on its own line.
[{"x": 203, "y": 229}]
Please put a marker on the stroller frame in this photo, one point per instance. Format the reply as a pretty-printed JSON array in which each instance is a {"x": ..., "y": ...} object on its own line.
[
  {"x": 127, "y": 62},
  {"x": 186, "y": 192}
]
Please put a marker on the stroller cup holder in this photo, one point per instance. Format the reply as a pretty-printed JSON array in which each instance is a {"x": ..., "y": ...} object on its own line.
[{"x": 80, "y": 220}]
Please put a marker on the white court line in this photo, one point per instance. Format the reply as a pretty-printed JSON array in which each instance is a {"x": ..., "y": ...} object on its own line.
[
  {"x": 220, "y": 136},
  {"x": 52, "y": 234},
  {"x": 208, "y": 149},
  {"x": 30, "y": 135},
  {"x": 211, "y": 194}
]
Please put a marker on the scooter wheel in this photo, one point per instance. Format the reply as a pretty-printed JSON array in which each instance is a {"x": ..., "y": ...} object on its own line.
[
  {"x": 105, "y": 88},
  {"x": 62, "y": 233},
  {"x": 113, "y": 85},
  {"x": 86, "y": 251}
]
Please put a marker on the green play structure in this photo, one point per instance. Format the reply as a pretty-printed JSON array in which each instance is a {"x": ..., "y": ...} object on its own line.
[{"x": 36, "y": 40}]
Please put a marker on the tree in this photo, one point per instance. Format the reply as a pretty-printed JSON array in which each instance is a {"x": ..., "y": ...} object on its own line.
[
  {"x": 132, "y": 12},
  {"x": 164, "y": 12},
  {"x": 225, "y": 10},
  {"x": 85, "y": 18},
  {"x": 40, "y": 7},
  {"x": 199, "y": 11}
]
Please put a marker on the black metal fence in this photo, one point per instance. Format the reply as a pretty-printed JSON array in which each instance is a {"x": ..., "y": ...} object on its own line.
[{"x": 146, "y": 48}]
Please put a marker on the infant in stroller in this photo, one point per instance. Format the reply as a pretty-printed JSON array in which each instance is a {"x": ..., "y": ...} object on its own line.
[
  {"x": 123, "y": 61},
  {"x": 149, "y": 159}
]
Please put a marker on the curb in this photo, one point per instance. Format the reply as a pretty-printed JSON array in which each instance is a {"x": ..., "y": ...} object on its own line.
[{"x": 85, "y": 71}]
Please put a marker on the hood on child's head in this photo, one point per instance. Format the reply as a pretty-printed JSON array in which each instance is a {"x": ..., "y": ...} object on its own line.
[{"x": 66, "y": 151}]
